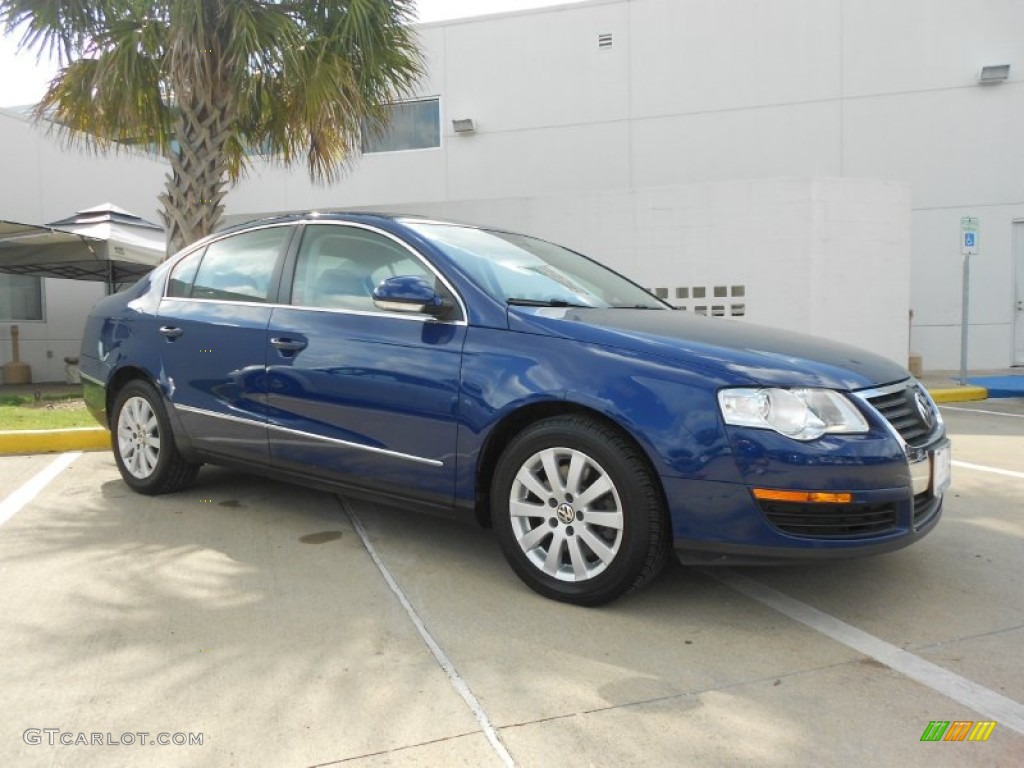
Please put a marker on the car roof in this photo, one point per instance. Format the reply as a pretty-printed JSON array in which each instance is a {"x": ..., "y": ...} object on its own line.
[{"x": 365, "y": 217}]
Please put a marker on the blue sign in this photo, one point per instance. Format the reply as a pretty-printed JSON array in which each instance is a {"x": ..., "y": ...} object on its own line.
[{"x": 969, "y": 227}]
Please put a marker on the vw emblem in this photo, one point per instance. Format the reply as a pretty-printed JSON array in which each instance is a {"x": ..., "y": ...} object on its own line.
[
  {"x": 566, "y": 513},
  {"x": 924, "y": 408}
]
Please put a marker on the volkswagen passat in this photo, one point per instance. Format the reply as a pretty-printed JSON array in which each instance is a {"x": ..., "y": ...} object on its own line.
[{"x": 485, "y": 374}]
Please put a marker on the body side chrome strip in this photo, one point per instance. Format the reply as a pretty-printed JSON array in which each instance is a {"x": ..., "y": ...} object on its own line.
[
  {"x": 92, "y": 379},
  {"x": 310, "y": 435},
  {"x": 215, "y": 415},
  {"x": 359, "y": 446}
]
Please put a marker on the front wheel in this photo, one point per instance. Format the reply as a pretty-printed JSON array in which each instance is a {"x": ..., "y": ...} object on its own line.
[
  {"x": 144, "y": 447},
  {"x": 578, "y": 512}
]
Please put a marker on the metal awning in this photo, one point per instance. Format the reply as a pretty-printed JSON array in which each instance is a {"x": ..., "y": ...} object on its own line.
[{"x": 104, "y": 243}]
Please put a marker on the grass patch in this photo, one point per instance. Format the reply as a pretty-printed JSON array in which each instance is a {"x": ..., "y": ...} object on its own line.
[{"x": 18, "y": 412}]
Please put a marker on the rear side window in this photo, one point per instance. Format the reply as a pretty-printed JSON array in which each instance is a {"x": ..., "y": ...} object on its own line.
[
  {"x": 184, "y": 272},
  {"x": 239, "y": 267}
]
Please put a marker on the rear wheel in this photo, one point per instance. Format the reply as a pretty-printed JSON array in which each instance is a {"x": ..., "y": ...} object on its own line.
[
  {"x": 144, "y": 447},
  {"x": 578, "y": 512}
]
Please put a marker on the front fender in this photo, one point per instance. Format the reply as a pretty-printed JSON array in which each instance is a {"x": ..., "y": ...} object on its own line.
[{"x": 672, "y": 413}]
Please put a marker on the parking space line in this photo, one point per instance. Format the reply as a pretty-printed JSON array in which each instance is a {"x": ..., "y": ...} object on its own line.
[
  {"x": 14, "y": 503},
  {"x": 993, "y": 470},
  {"x": 458, "y": 683},
  {"x": 986, "y": 702},
  {"x": 981, "y": 410}
]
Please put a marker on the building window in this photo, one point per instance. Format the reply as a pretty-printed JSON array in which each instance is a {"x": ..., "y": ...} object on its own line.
[
  {"x": 21, "y": 297},
  {"x": 411, "y": 125}
]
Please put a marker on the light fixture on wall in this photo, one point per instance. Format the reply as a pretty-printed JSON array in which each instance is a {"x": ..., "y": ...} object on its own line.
[
  {"x": 993, "y": 73},
  {"x": 465, "y": 125}
]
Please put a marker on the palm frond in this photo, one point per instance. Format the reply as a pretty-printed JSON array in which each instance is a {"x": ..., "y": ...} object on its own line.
[{"x": 207, "y": 82}]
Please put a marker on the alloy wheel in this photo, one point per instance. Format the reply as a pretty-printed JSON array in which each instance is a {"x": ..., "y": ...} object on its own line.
[
  {"x": 138, "y": 437},
  {"x": 566, "y": 514}
]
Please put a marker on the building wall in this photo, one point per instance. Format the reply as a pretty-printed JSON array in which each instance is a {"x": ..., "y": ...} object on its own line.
[
  {"x": 709, "y": 91},
  {"x": 44, "y": 180},
  {"x": 694, "y": 97}
]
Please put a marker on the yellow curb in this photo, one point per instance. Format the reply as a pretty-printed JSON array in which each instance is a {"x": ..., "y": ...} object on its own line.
[
  {"x": 54, "y": 440},
  {"x": 958, "y": 394}
]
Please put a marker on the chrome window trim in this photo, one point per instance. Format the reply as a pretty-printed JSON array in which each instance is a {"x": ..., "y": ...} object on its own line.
[
  {"x": 396, "y": 315},
  {"x": 366, "y": 313},
  {"x": 202, "y": 244},
  {"x": 301, "y": 433}
]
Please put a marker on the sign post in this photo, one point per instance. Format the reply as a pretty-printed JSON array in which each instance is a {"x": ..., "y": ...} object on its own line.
[{"x": 969, "y": 228}]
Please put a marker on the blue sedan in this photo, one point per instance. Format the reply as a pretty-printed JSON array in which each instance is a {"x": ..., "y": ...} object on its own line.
[{"x": 488, "y": 375}]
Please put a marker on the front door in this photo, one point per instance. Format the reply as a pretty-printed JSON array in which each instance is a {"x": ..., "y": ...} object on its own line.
[{"x": 356, "y": 395}]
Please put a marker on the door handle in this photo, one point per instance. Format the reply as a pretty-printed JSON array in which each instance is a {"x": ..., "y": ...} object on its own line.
[
  {"x": 288, "y": 345},
  {"x": 170, "y": 331}
]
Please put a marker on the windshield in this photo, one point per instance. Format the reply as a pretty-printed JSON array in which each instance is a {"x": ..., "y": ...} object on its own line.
[{"x": 523, "y": 270}]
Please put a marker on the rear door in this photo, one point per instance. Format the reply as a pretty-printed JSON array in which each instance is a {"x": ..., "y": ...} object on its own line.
[
  {"x": 357, "y": 395},
  {"x": 213, "y": 328}
]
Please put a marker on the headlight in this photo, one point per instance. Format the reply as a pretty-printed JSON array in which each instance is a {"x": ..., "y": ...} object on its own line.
[{"x": 803, "y": 414}]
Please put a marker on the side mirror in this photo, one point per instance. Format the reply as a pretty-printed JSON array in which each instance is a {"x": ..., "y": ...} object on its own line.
[{"x": 410, "y": 293}]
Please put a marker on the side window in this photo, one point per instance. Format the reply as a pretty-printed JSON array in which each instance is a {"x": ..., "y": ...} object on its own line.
[
  {"x": 338, "y": 267},
  {"x": 240, "y": 267},
  {"x": 180, "y": 283}
]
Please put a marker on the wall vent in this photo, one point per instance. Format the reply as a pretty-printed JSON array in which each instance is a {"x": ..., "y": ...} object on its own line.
[
  {"x": 604, "y": 40},
  {"x": 685, "y": 296}
]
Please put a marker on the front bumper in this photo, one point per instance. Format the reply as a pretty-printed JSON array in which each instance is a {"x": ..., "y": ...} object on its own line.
[
  {"x": 896, "y": 497},
  {"x": 719, "y": 553}
]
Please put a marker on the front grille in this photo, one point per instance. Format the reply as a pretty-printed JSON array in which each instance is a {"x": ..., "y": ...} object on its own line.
[
  {"x": 902, "y": 407},
  {"x": 830, "y": 521}
]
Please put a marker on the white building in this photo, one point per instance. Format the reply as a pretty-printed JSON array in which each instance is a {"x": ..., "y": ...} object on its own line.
[{"x": 809, "y": 159}]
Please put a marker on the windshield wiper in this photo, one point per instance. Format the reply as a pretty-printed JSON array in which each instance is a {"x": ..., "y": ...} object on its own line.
[
  {"x": 518, "y": 302},
  {"x": 637, "y": 306}
]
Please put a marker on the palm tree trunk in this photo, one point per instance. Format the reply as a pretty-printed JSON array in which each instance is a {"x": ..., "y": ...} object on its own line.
[{"x": 195, "y": 187}]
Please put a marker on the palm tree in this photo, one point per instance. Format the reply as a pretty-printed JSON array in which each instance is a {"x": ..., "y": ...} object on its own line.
[{"x": 209, "y": 82}]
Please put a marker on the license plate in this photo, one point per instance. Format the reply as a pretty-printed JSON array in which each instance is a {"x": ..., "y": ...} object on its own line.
[{"x": 941, "y": 472}]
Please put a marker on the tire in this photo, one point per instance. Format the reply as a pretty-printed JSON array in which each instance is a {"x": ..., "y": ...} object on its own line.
[
  {"x": 599, "y": 531},
  {"x": 144, "y": 447}
]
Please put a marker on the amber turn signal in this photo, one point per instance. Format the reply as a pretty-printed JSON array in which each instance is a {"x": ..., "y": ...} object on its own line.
[{"x": 803, "y": 497}]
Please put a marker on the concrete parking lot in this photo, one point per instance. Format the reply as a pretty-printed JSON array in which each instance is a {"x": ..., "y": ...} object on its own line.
[{"x": 285, "y": 627}]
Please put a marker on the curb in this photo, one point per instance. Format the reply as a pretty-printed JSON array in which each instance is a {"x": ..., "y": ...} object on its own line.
[
  {"x": 54, "y": 440},
  {"x": 958, "y": 394}
]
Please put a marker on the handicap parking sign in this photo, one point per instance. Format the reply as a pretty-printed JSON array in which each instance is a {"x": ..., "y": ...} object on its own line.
[{"x": 969, "y": 235}]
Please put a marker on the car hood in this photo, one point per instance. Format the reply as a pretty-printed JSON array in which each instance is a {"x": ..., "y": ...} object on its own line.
[{"x": 736, "y": 351}]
